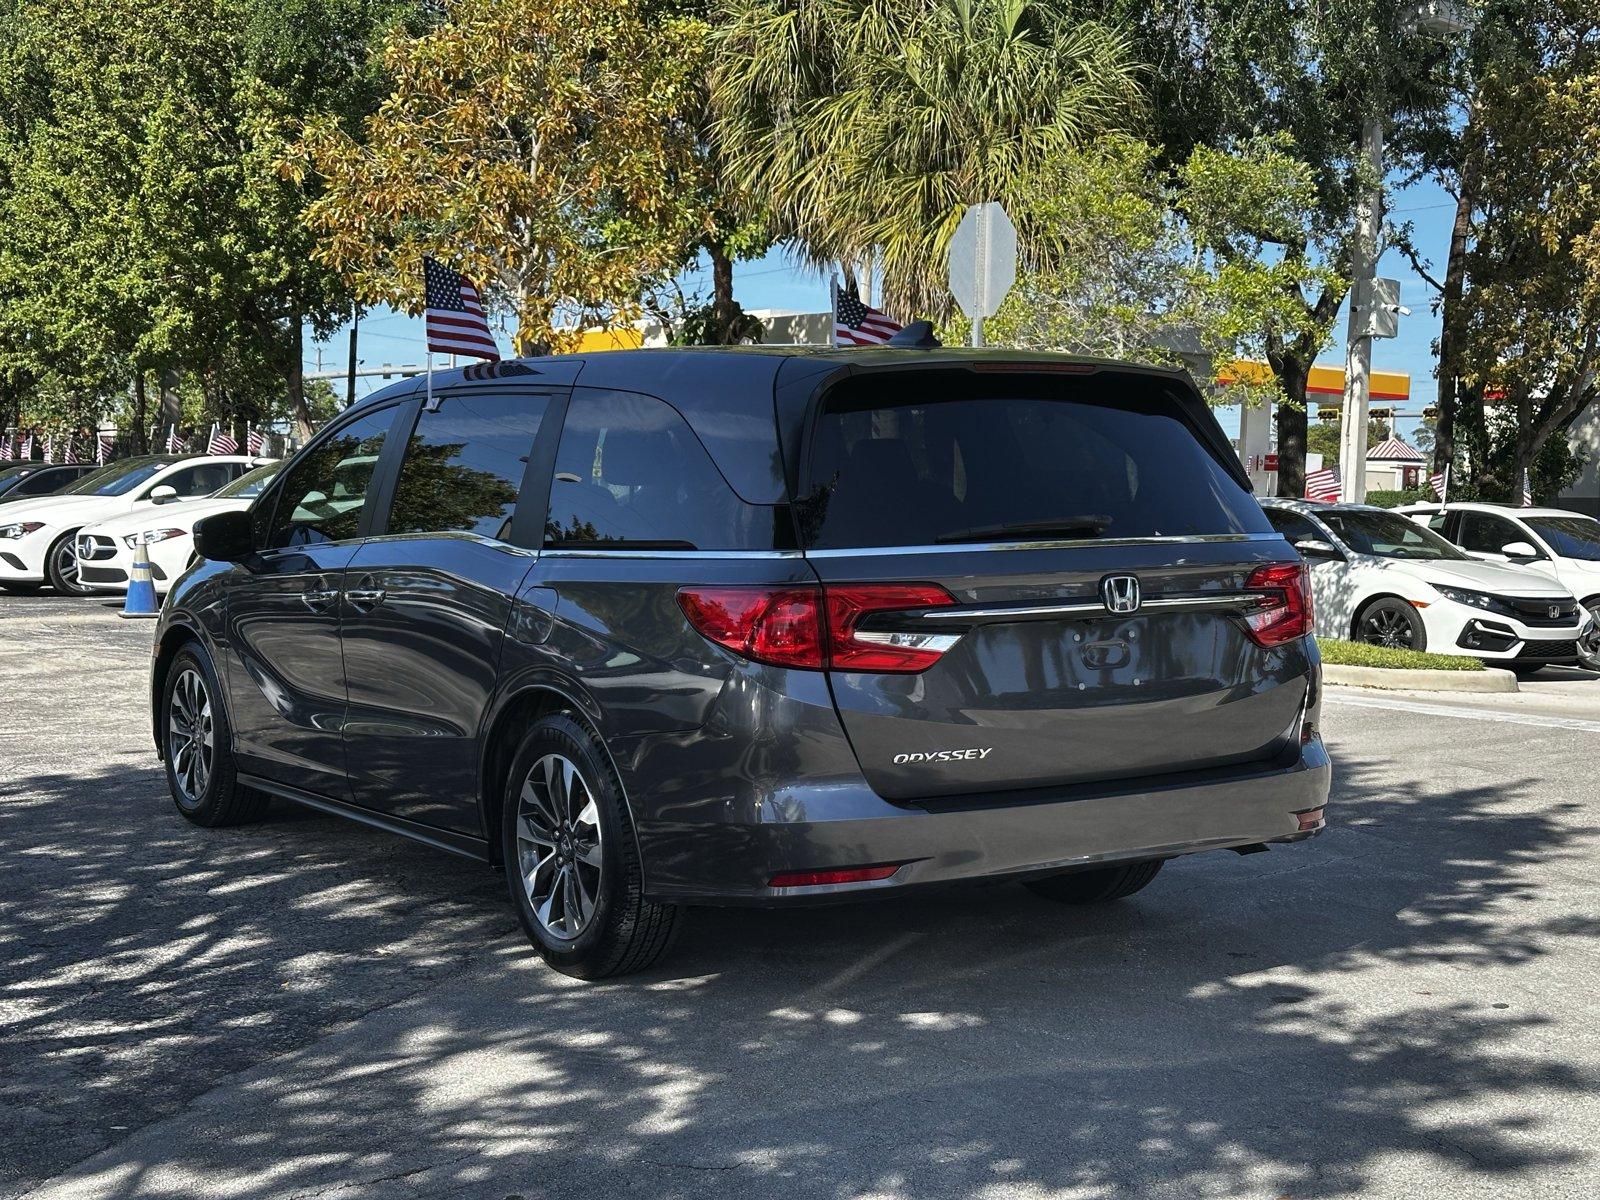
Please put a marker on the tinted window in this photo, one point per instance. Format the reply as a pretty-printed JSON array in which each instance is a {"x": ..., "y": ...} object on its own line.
[
  {"x": 201, "y": 479},
  {"x": 915, "y": 460},
  {"x": 630, "y": 472},
  {"x": 1570, "y": 537},
  {"x": 252, "y": 483},
  {"x": 1485, "y": 533},
  {"x": 1294, "y": 526},
  {"x": 119, "y": 478},
  {"x": 464, "y": 464},
  {"x": 42, "y": 483},
  {"x": 1387, "y": 535},
  {"x": 324, "y": 489}
]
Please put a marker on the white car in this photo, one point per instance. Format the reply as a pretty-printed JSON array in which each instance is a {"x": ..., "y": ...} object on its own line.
[
  {"x": 1562, "y": 545},
  {"x": 106, "y": 550},
  {"x": 38, "y": 537},
  {"x": 1379, "y": 577}
]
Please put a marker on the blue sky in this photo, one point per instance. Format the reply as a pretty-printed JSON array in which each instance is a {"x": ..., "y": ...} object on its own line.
[{"x": 777, "y": 282}]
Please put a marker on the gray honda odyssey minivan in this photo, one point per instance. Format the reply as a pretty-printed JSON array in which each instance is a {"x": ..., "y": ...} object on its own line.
[{"x": 654, "y": 629}]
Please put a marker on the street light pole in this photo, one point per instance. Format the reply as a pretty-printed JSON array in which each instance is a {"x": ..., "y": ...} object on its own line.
[{"x": 1358, "y": 338}]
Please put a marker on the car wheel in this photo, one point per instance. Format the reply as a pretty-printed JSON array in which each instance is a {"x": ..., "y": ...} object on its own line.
[
  {"x": 1391, "y": 623},
  {"x": 1589, "y": 637},
  {"x": 197, "y": 744},
  {"x": 61, "y": 566},
  {"x": 1097, "y": 886},
  {"x": 571, "y": 860},
  {"x": 20, "y": 587}
]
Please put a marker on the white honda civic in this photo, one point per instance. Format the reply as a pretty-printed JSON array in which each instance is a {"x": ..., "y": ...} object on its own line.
[
  {"x": 106, "y": 550},
  {"x": 1381, "y": 578},
  {"x": 38, "y": 537}
]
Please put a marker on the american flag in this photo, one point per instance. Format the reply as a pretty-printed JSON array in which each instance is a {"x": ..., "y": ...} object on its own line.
[
  {"x": 856, "y": 323},
  {"x": 49, "y": 448},
  {"x": 1323, "y": 486},
  {"x": 5, "y": 446},
  {"x": 106, "y": 446},
  {"x": 456, "y": 324},
  {"x": 26, "y": 453},
  {"x": 254, "y": 440},
  {"x": 70, "y": 454},
  {"x": 221, "y": 441},
  {"x": 1527, "y": 491},
  {"x": 174, "y": 442},
  {"x": 1440, "y": 483}
]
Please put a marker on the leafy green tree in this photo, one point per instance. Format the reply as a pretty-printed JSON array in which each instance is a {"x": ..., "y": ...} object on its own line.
[
  {"x": 542, "y": 146},
  {"x": 866, "y": 129}
]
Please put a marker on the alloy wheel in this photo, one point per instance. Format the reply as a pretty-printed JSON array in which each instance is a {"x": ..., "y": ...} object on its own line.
[
  {"x": 558, "y": 846},
  {"x": 1387, "y": 627},
  {"x": 67, "y": 563},
  {"x": 190, "y": 735}
]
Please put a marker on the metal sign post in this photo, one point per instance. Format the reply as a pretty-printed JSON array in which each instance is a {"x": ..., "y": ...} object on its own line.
[{"x": 983, "y": 263}]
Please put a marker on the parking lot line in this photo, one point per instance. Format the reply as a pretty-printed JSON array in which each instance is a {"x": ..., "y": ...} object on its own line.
[{"x": 1472, "y": 714}]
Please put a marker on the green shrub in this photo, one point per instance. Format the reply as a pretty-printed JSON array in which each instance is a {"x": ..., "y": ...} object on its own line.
[
  {"x": 1391, "y": 499},
  {"x": 1359, "y": 654}
]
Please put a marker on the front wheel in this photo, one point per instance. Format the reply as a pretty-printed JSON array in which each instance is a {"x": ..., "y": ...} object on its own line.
[
  {"x": 197, "y": 746},
  {"x": 1097, "y": 886},
  {"x": 61, "y": 566},
  {"x": 1393, "y": 624},
  {"x": 571, "y": 861}
]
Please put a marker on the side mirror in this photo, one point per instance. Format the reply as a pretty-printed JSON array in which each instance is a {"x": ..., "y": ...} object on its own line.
[
  {"x": 225, "y": 536},
  {"x": 165, "y": 494},
  {"x": 1520, "y": 550},
  {"x": 1317, "y": 548}
]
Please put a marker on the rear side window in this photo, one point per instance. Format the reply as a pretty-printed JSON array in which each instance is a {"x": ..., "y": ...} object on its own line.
[
  {"x": 630, "y": 473},
  {"x": 1293, "y": 526},
  {"x": 927, "y": 459},
  {"x": 464, "y": 465}
]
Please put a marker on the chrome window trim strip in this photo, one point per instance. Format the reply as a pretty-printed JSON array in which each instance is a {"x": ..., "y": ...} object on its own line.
[
  {"x": 1228, "y": 600},
  {"x": 1054, "y": 544}
]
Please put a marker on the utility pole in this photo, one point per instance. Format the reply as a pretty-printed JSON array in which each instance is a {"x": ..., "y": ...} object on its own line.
[
  {"x": 350, "y": 379},
  {"x": 1358, "y": 339}
]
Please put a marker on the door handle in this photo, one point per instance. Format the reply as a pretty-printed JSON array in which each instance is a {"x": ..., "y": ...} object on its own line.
[
  {"x": 364, "y": 598},
  {"x": 318, "y": 599}
]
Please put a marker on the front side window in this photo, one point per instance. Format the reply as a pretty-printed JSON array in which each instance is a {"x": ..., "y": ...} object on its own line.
[
  {"x": 325, "y": 490},
  {"x": 1485, "y": 533},
  {"x": 251, "y": 483},
  {"x": 1387, "y": 535},
  {"x": 201, "y": 479},
  {"x": 464, "y": 465},
  {"x": 630, "y": 473},
  {"x": 1569, "y": 537}
]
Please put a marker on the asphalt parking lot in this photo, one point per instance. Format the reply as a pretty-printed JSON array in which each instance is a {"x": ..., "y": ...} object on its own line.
[{"x": 305, "y": 1008}]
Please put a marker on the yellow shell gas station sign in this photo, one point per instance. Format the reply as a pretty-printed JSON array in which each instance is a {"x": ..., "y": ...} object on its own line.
[{"x": 1323, "y": 381}]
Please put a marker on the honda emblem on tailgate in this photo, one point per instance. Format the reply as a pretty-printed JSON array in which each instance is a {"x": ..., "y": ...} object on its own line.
[{"x": 1121, "y": 593}]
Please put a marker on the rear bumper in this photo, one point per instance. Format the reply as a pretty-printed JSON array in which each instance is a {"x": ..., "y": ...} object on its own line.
[{"x": 729, "y": 861}]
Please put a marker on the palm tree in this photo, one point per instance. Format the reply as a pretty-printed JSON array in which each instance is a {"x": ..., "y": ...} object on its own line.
[{"x": 868, "y": 126}]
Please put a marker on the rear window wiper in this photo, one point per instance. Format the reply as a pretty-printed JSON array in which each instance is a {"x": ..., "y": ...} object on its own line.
[{"x": 1090, "y": 524}]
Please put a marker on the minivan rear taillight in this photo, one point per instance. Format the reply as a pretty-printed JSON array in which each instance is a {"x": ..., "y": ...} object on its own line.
[
  {"x": 1285, "y": 611},
  {"x": 818, "y": 628}
]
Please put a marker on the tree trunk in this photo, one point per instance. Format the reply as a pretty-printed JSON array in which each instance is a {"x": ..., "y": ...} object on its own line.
[
  {"x": 294, "y": 379},
  {"x": 137, "y": 442},
  {"x": 1455, "y": 278},
  {"x": 171, "y": 402},
  {"x": 723, "y": 311},
  {"x": 1291, "y": 418}
]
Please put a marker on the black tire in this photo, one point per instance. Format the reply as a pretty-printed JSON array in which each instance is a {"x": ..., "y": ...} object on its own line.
[
  {"x": 1390, "y": 622},
  {"x": 615, "y": 931},
  {"x": 219, "y": 799},
  {"x": 20, "y": 587},
  {"x": 61, "y": 566},
  {"x": 1521, "y": 670},
  {"x": 1097, "y": 886}
]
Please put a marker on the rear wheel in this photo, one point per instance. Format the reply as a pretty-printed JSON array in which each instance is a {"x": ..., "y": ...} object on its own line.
[
  {"x": 571, "y": 860},
  {"x": 197, "y": 745},
  {"x": 61, "y": 566},
  {"x": 1097, "y": 886},
  {"x": 1393, "y": 624}
]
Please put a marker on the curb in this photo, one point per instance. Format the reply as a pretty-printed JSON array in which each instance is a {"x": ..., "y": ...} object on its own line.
[{"x": 1412, "y": 680}]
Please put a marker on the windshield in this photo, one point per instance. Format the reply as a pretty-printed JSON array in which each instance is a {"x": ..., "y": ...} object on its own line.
[
  {"x": 251, "y": 483},
  {"x": 118, "y": 478},
  {"x": 1387, "y": 535},
  {"x": 1569, "y": 537}
]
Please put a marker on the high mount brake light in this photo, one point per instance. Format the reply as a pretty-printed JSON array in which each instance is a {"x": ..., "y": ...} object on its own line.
[
  {"x": 1285, "y": 612},
  {"x": 819, "y": 628}
]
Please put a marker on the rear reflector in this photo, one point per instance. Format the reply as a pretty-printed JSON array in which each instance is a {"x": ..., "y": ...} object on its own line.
[
  {"x": 1285, "y": 611},
  {"x": 817, "y": 628},
  {"x": 845, "y": 875},
  {"x": 1310, "y": 819}
]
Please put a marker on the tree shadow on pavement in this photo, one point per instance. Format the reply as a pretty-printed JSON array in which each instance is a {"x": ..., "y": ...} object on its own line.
[{"x": 1293, "y": 1024}]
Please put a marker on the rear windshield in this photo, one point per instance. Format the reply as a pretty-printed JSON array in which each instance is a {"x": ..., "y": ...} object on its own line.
[{"x": 922, "y": 460}]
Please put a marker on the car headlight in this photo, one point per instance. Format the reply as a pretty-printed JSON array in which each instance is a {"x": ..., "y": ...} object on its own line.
[
  {"x": 1473, "y": 599},
  {"x": 20, "y": 529},
  {"x": 151, "y": 536}
]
